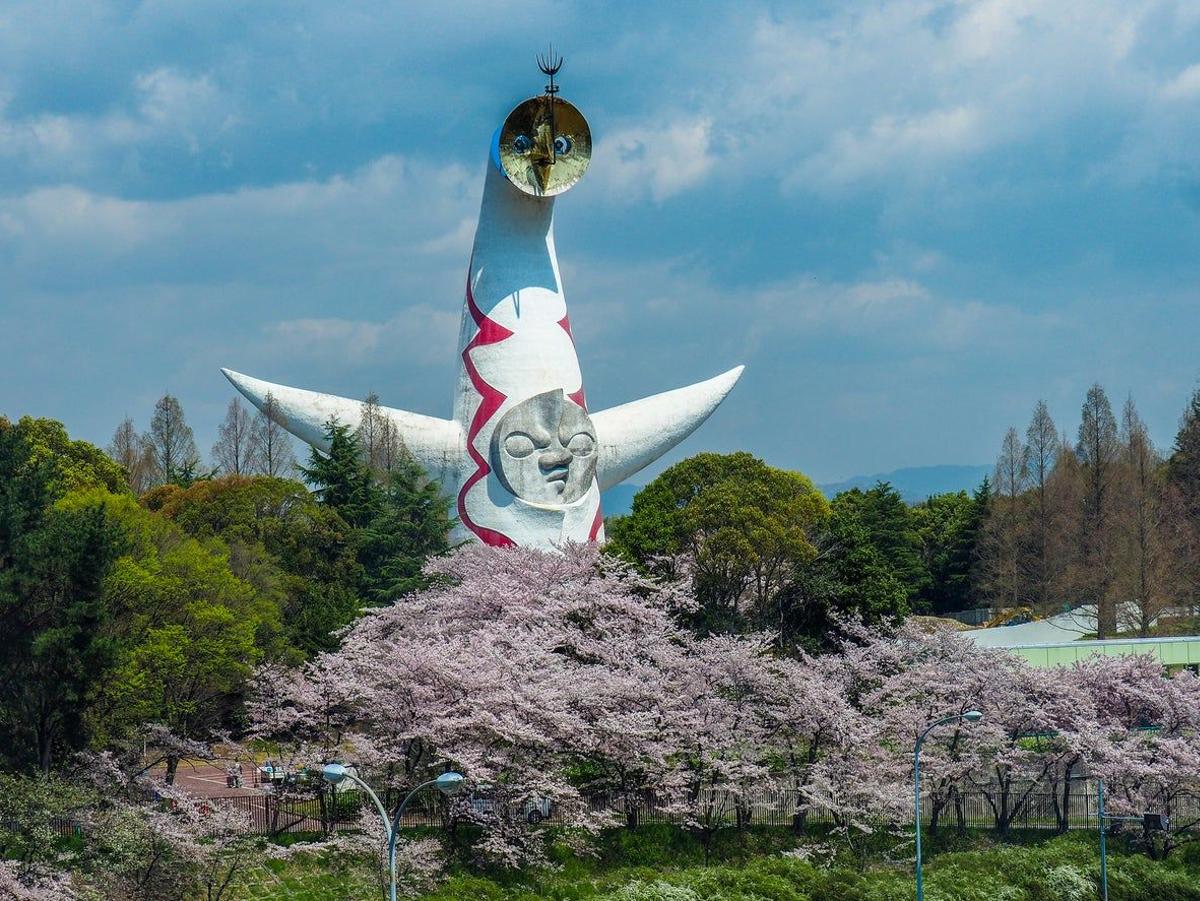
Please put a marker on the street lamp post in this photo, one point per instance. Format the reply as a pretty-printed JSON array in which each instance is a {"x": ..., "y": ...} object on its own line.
[
  {"x": 447, "y": 783},
  {"x": 971, "y": 716},
  {"x": 1100, "y": 818}
]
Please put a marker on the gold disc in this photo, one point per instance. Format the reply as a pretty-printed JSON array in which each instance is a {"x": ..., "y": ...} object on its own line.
[{"x": 545, "y": 146}]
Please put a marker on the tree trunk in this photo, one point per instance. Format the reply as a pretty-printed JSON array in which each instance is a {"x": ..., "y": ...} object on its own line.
[
  {"x": 1064, "y": 812},
  {"x": 799, "y": 821},
  {"x": 935, "y": 813}
]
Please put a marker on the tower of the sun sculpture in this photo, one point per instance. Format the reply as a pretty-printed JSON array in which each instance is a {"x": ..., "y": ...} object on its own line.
[{"x": 523, "y": 457}]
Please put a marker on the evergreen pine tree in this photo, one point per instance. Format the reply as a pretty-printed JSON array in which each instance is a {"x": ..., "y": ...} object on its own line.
[
  {"x": 891, "y": 529},
  {"x": 340, "y": 479},
  {"x": 413, "y": 524}
]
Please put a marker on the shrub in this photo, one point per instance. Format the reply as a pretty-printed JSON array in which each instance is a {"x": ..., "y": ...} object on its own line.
[
  {"x": 1068, "y": 883},
  {"x": 1137, "y": 878},
  {"x": 652, "y": 891},
  {"x": 751, "y": 883}
]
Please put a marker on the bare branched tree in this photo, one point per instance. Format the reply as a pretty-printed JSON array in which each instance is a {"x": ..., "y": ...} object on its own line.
[
  {"x": 130, "y": 451},
  {"x": 378, "y": 438},
  {"x": 172, "y": 445},
  {"x": 1041, "y": 451},
  {"x": 1002, "y": 555},
  {"x": 1141, "y": 558},
  {"x": 271, "y": 443},
  {"x": 235, "y": 451},
  {"x": 1099, "y": 450}
]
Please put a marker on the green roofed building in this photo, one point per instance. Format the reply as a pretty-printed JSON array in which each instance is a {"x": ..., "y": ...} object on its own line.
[
  {"x": 1182, "y": 651},
  {"x": 1058, "y": 641}
]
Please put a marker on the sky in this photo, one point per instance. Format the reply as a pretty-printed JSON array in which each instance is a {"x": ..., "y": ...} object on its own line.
[{"x": 910, "y": 220}]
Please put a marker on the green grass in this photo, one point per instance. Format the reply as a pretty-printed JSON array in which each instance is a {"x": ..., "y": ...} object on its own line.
[
  {"x": 664, "y": 864},
  {"x": 307, "y": 879}
]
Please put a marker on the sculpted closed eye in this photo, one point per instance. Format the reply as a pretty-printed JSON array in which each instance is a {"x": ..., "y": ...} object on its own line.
[
  {"x": 518, "y": 445},
  {"x": 581, "y": 444}
]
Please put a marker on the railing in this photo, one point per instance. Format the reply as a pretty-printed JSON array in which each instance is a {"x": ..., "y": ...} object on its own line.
[{"x": 269, "y": 814}]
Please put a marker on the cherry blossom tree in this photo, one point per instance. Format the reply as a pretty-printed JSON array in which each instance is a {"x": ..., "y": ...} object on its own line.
[
  {"x": 1149, "y": 755},
  {"x": 557, "y": 678},
  {"x": 37, "y": 882},
  {"x": 917, "y": 676},
  {"x": 515, "y": 662}
]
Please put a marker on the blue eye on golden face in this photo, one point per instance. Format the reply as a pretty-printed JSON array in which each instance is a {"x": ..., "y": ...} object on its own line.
[
  {"x": 522, "y": 143},
  {"x": 562, "y": 145}
]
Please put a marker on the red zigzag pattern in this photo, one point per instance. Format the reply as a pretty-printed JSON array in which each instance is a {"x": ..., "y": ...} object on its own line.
[{"x": 490, "y": 400}]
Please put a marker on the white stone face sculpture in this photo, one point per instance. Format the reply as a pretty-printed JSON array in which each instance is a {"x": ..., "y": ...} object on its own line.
[
  {"x": 544, "y": 450},
  {"x": 524, "y": 459}
]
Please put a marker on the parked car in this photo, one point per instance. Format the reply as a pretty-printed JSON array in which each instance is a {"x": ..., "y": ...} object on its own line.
[
  {"x": 533, "y": 810},
  {"x": 277, "y": 774}
]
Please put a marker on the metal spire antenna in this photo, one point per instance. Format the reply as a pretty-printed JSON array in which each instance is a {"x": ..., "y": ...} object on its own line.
[{"x": 550, "y": 64}]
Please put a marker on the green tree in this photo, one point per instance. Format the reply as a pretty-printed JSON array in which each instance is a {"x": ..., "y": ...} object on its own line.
[
  {"x": 35, "y": 444},
  {"x": 848, "y": 577},
  {"x": 399, "y": 516},
  {"x": 188, "y": 630},
  {"x": 56, "y": 648},
  {"x": 892, "y": 529},
  {"x": 1183, "y": 466},
  {"x": 948, "y": 526},
  {"x": 311, "y": 548},
  {"x": 1183, "y": 501},
  {"x": 741, "y": 526},
  {"x": 412, "y": 525},
  {"x": 340, "y": 478},
  {"x": 53, "y": 563}
]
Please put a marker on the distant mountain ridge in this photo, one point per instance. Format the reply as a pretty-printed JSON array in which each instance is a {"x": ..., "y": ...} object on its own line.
[{"x": 916, "y": 483}]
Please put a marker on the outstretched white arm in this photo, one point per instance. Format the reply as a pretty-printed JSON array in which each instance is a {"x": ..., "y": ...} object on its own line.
[
  {"x": 636, "y": 434},
  {"x": 434, "y": 443}
]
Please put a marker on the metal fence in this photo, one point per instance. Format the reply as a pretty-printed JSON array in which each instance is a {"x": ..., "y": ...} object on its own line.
[
  {"x": 765, "y": 806},
  {"x": 777, "y": 806},
  {"x": 270, "y": 814}
]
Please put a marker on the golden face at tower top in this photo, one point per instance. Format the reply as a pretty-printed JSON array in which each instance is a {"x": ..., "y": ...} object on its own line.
[{"x": 545, "y": 146}]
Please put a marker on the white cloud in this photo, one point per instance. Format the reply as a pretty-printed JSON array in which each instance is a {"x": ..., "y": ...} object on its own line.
[
  {"x": 655, "y": 161},
  {"x": 284, "y": 233},
  {"x": 423, "y": 335},
  {"x": 880, "y": 96},
  {"x": 1185, "y": 85},
  {"x": 664, "y": 297},
  {"x": 168, "y": 107},
  {"x": 917, "y": 143}
]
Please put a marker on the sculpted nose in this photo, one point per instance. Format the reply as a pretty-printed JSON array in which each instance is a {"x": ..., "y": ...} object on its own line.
[{"x": 554, "y": 457}]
